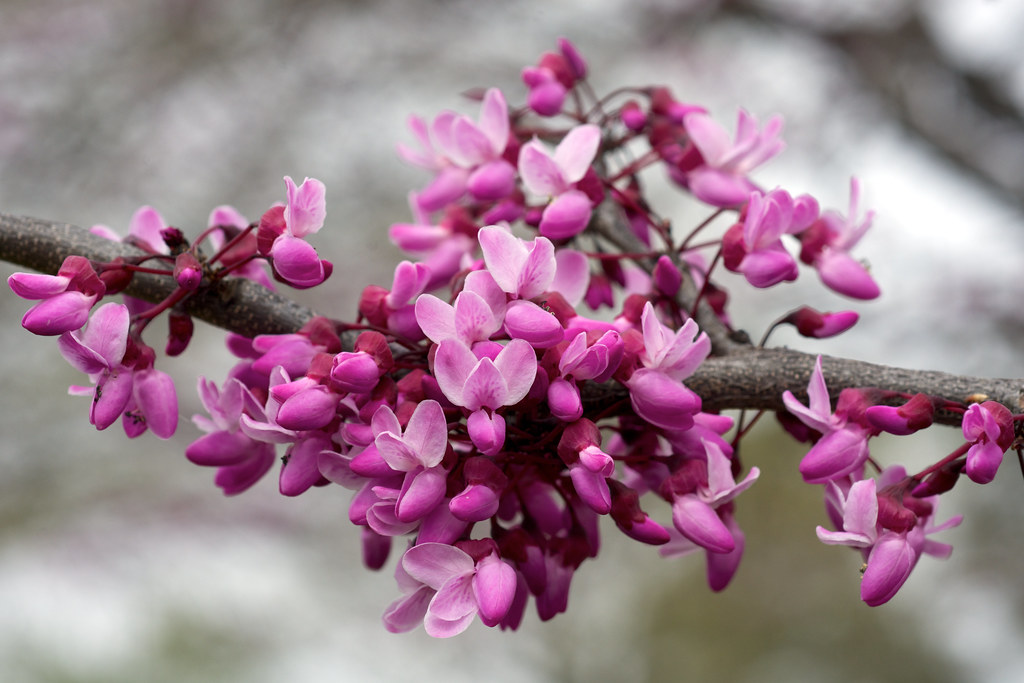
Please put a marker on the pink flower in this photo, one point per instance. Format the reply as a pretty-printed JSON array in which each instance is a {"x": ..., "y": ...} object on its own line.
[
  {"x": 485, "y": 384},
  {"x": 464, "y": 155},
  {"x": 843, "y": 446},
  {"x": 446, "y": 588},
  {"x": 65, "y": 299},
  {"x": 478, "y": 312},
  {"x": 294, "y": 260},
  {"x": 989, "y": 426},
  {"x": 891, "y": 544},
  {"x": 241, "y": 460},
  {"x": 757, "y": 251},
  {"x": 722, "y": 178},
  {"x": 555, "y": 175},
  {"x": 656, "y": 390},
  {"x": 698, "y": 490},
  {"x": 99, "y": 351},
  {"x": 827, "y": 244},
  {"x": 418, "y": 452}
]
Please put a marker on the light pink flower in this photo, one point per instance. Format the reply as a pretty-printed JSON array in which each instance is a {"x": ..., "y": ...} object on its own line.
[
  {"x": 98, "y": 351},
  {"x": 446, "y": 588},
  {"x": 827, "y": 246},
  {"x": 843, "y": 446},
  {"x": 555, "y": 175},
  {"x": 722, "y": 179}
]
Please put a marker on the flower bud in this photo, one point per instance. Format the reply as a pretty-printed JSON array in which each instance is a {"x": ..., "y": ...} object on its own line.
[{"x": 188, "y": 272}]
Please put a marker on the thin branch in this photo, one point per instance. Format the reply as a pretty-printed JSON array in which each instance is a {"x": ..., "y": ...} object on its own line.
[{"x": 234, "y": 304}]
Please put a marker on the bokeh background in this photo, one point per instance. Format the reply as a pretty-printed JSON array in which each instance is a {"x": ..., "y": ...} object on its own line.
[{"x": 122, "y": 562}]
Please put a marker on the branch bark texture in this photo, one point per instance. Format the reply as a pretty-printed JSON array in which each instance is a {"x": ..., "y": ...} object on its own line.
[{"x": 740, "y": 377}]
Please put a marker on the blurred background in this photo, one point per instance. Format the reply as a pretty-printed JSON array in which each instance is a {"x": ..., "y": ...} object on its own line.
[{"x": 122, "y": 562}]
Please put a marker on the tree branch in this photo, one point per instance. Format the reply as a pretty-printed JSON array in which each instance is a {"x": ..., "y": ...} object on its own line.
[
  {"x": 743, "y": 376},
  {"x": 234, "y": 304}
]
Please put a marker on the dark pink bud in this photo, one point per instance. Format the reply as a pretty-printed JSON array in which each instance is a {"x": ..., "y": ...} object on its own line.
[
  {"x": 173, "y": 238},
  {"x": 812, "y": 323},
  {"x": 633, "y": 117},
  {"x": 630, "y": 519},
  {"x": 376, "y": 548},
  {"x": 271, "y": 227},
  {"x": 547, "y": 98},
  {"x": 892, "y": 514},
  {"x": 114, "y": 279},
  {"x": 940, "y": 481},
  {"x": 476, "y": 503},
  {"x": 573, "y": 58},
  {"x": 564, "y": 400},
  {"x": 311, "y": 408},
  {"x": 915, "y": 414},
  {"x": 734, "y": 249},
  {"x": 356, "y": 373},
  {"x": 667, "y": 277},
  {"x": 188, "y": 272},
  {"x": 180, "y": 328},
  {"x": 577, "y": 436}
]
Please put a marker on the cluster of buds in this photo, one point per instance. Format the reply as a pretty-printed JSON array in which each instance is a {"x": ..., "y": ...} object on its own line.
[{"x": 525, "y": 373}]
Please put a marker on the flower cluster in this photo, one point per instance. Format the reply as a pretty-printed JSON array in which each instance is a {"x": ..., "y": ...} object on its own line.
[{"x": 525, "y": 373}]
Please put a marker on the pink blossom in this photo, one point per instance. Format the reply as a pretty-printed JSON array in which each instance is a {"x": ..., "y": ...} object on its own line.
[
  {"x": 483, "y": 384},
  {"x": 99, "y": 351},
  {"x": 446, "y": 588},
  {"x": 843, "y": 446},
  {"x": 478, "y": 312},
  {"x": 555, "y": 175},
  {"x": 989, "y": 428},
  {"x": 65, "y": 299},
  {"x": 757, "y": 250},
  {"x": 828, "y": 242},
  {"x": 417, "y": 451},
  {"x": 721, "y": 180},
  {"x": 294, "y": 260},
  {"x": 656, "y": 390},
  {"x": 241, "y": 460},
  {"x": 695, "y": 512}
]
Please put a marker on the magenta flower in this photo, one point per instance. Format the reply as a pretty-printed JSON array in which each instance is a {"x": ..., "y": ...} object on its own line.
[
  {"x": 485, "y": 384},
  {"x": 656, "y": 390},
  {"x": 721, "y": 180},
  {"x": 241, "y": 460},
  {"x": 890, "y": 553},
  {"x": 418, "y": 452},
  {"x": 525, "y": 270},
  {"x": 989, "y": 426},
  {"x": 759, "y": 253},
  {"x": 843, "y": 446},
  {"x": 859, "y": 509},
  {"x": 522, "y": 269},
  {"x": 99, "y": 351},
  {"x": 65, "y": 299},
  {"x": 294, "y": 260},
  {"x": 446, "y": 588},
  {"x": 695, "y": 512},
  {"x": 828, "y": 242},
  {"x": 555, "y": 175}
]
